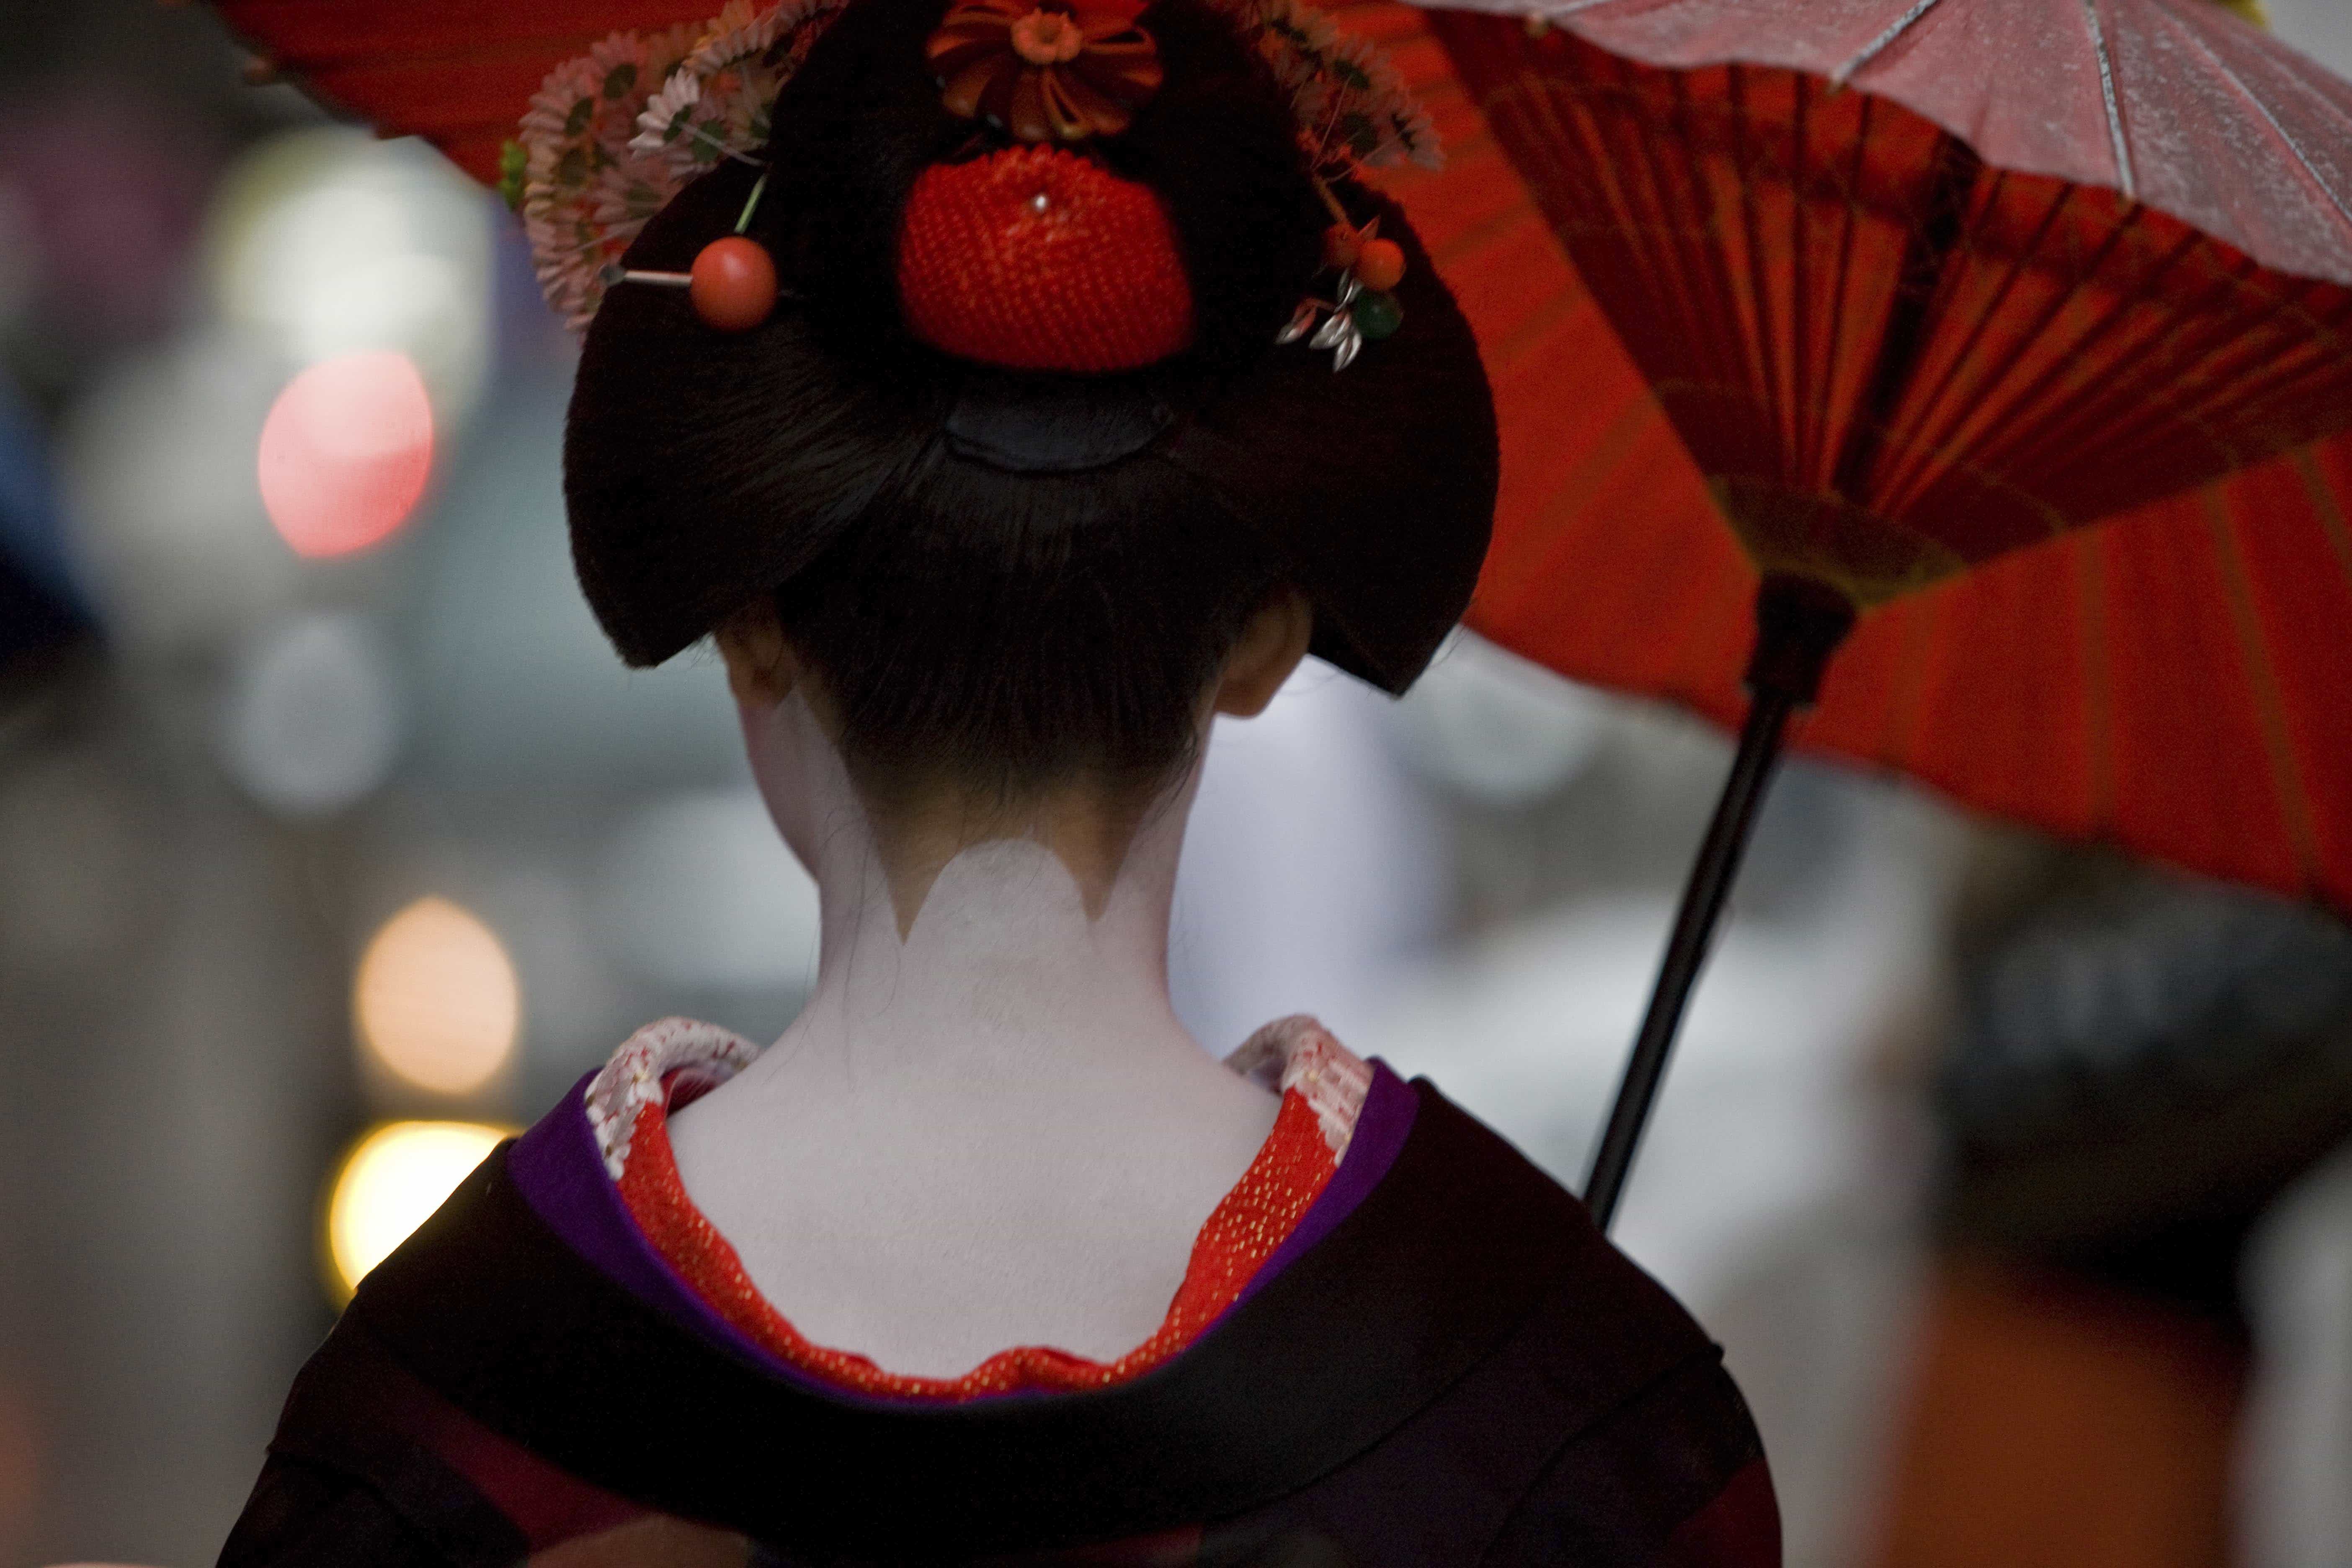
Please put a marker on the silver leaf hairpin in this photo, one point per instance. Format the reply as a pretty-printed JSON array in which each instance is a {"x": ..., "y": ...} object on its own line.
[{"x": 1338, "y": 332}]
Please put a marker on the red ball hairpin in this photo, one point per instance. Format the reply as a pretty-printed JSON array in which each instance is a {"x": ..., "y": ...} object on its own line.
[{"x": 732, "y": 285}]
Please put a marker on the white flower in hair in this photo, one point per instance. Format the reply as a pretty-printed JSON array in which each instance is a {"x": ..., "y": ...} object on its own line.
[
  {"x": 575, "y": 143},
  {"x": 612, "y": 134},
  {"x": 717, "y": 103},
  {"x": 1384, "y": 123},
  {"x": 1352, "y": 102},
  {"x": 661, "y": 122}
]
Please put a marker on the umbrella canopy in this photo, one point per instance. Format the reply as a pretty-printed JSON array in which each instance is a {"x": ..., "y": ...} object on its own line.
[
  {"x": 2177, "y": 680},
  {"x": 2186, "y": 690},
  {"x": 2180, "y": 680},
  {"x": 458, "y": 73}
]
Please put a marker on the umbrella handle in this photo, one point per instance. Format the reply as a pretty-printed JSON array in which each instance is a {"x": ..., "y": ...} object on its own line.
[{"x": 1798, "y": 623}]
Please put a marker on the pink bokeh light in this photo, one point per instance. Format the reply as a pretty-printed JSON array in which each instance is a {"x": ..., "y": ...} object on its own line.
[{"x": 345, "y": 453}]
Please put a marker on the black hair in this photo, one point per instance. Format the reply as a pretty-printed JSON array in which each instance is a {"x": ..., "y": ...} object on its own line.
[
  {"x": 1073, "y": 635},
  {"x": 1021, "y": 579}
]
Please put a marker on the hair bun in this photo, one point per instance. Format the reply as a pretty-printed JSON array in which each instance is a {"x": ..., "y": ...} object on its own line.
[
  {"x": 937, "y": 519},
  {"x": 1036, "y": 258}
]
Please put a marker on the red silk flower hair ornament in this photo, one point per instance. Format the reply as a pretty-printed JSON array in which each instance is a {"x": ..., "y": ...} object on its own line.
[{"x": 1046, "y": 70}]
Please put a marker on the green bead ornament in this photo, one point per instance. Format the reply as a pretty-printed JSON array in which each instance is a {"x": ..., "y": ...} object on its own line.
[{"x": 1377, "y": 315}]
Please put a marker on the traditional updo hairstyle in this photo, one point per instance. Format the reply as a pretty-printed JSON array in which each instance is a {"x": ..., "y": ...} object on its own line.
[{"x": 1010, "y": 578}]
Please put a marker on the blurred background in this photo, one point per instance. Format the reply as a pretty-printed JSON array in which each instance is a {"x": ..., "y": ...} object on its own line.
[{"x": 333, "y": 841}]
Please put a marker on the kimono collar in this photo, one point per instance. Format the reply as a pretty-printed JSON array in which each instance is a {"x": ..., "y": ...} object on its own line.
[{"x": 677, "y": 1060}]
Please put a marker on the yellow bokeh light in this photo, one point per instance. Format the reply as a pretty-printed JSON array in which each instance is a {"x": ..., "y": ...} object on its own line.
[
  {"x": 436, "y": 1000},
  {"x": 392, "y": 1179}
]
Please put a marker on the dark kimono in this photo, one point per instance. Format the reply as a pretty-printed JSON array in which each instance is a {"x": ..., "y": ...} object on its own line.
[{"x": 1446, "y": 1363}]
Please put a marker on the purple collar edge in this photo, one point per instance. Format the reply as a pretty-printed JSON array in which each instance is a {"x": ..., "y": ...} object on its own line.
[{"x": 560, "y": 1172}]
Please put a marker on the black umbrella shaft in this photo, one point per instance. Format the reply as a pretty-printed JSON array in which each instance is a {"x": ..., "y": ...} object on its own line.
[{"x": 1702, "y": 907}]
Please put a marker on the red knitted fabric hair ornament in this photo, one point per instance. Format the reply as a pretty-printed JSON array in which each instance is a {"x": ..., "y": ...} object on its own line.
[{"x": 1036, "y": 258}]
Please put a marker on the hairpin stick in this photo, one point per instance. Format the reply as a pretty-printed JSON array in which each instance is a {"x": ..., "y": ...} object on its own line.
[
  {"x": 718, "y": 144},
  {"x": 1331, "y": 201},
  {"x": 733, "y": 283},
  {"x": 751, "y": 202}
]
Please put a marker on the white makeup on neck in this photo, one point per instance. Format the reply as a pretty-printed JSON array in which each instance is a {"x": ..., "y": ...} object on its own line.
[{"x": 987, "y": 1127}]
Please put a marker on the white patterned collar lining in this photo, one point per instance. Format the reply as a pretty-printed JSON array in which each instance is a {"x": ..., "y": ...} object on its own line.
[{"x": 1293, "y": 1053}]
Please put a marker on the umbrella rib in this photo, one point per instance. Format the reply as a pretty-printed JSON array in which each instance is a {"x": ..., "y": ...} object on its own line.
[
  {"x": 1816, "y": 457},
  {"x": 2331, "y": 513},
  {"x": 1522, "y": 340},
  {"x": 2049, "y": 413},
  {"x": 1722, "y": 345},
  {"x": 2229, "y": 367},
  {"x": 1460, "y": 247},
  {"x": 1904, "y": 476},
  {"x": 2301, "y": 161},
  {"x": 1568, "y": 509},
  {"x": 1799, "y": 289},
  {"x": 2287, "y": 784},
  {"x": 1968, "y": 442},
  {"x": 1879, "y": 44},
  {"x": 1760, "y": 286},
  {"x": 1923, "y": 287},
  {"x": 1718, "y": 342},
  {"x": 2129, "y": 186},
  {"x": 2245, "y": 367}
]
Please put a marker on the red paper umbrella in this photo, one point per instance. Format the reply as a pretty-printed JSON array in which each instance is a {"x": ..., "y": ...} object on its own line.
[
  {"x": 458, "y": 73},
  {"x": 1922, "y": 287},
  {"x": 1907, "y": 293}
]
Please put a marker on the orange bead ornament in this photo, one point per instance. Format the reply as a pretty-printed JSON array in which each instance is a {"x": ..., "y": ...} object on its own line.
[
  {"x": 1380, "y": 265},
  {"x": 734, "y": 284}
]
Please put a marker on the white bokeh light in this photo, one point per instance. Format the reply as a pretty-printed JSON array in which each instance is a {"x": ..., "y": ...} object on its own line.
[
  {"x": 312, "y": 719},
  {"x": 157, "y": 463},
  {"x": 436, "y": 1000},
  {"x": 330, "y": 242}
]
